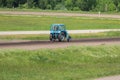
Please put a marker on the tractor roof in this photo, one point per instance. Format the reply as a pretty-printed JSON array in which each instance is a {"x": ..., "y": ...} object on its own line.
[{"x": 58, "y": 24}]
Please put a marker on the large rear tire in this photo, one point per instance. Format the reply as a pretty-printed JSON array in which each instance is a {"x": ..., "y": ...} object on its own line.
[{"x": 61, "y": 37}]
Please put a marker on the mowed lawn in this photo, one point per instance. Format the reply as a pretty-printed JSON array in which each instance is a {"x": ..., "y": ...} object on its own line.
[
  {"x": 14, "y": 23},
  {"x": 72, "y": 63}
]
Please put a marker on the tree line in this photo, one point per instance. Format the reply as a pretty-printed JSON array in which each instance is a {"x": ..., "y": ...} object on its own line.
[{"x": 73, "y": 5}]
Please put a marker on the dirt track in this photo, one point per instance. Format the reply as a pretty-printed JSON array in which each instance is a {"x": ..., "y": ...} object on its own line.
[
  {"x": 33, "y": 45},
  {"x": 58, "y": 14},
  {"x": 110, "y": 78},
  {"x": 48, "y": 32}
]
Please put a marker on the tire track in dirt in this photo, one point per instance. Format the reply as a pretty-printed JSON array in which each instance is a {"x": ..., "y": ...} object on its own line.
[{"x": 33, "y": 45}]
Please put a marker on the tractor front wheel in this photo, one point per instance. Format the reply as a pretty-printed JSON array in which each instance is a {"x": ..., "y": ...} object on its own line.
[
  {"x": 51, "y": 38},
  {"x": 68, "y": 39}
]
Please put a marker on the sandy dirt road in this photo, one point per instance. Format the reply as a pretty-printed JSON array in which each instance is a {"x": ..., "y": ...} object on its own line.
[
  {"x": 58, "y": 14},
  {"x": 48, "y": 32},
  {"x": 110, "y": 78},
  {"x": 33, "y": 45}
]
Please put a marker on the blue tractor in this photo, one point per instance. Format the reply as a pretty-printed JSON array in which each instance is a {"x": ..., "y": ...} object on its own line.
[{"x": 58, "y": 32}]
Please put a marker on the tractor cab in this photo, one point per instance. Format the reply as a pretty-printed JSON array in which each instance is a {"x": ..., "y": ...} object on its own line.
[
  {"x": 58, "y": 32},
  {"x": 57, "y": 27}
]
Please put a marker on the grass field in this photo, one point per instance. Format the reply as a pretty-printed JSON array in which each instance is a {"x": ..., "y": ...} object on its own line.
[
  {"x": 15, "y": 23},
  {"x": 39, "y": 10},
  {"x": 74, "y": 36},
  {"x": 73, "y": 63}
]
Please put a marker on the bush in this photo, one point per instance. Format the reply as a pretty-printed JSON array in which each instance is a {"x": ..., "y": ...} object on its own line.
[
  {"x": 10, "y": 3},
  {"x": 60, "y": 7},
  {"x": 111, "y": 7},
  {"x": 49, "y": 6},
  {"x": 23, "y": 5},
  {"x": 119, "y": 7},
  {"x": 76, "y": 9}
]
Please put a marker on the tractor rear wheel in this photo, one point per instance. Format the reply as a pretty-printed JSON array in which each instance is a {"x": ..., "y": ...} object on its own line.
[{"x": 61, "y": 37}]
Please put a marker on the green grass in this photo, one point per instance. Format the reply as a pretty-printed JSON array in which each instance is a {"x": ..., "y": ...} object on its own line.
[
  {"x": 16, "y": 23},
  {"x": 112, "y": 34},
  {"x": 25, "y": 37},
  {"x": 39, "y": 10},
  {"x": 73, "y": 63}
]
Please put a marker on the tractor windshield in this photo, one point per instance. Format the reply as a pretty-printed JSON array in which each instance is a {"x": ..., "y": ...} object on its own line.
[
  {"x": 55, "y": 28},
  {"x": 58, "y": 27},
  {"x": 62, "y": 27}
]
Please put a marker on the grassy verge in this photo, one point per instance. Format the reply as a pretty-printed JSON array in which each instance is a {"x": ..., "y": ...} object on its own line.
[
  {"x": 25, "y": 37},
  {"x": 111, "y": 34},
  {"x": 73, "y": 63},
  {"x": 17, "y": 23},
  {"x": 39, "y": 10},
  {"x": 74, "y": 36}
]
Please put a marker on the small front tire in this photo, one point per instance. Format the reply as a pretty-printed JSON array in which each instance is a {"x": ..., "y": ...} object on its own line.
[{"x": 68, "y": 40}]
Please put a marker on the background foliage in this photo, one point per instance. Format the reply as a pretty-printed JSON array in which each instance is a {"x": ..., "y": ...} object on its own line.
[{"x": 74, "y": 5}]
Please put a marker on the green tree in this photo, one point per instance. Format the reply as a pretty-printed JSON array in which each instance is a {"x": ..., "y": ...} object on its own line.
[
  {"x": 10, "y": 3},
  {"x": 105, "y": 5},
  {"x": 4, "y": 3},
  {"x": 16, "y": 3},
  {"x": 84, "y": 5},
  {"x": 69, "y": 4},
  {"x": 117, "y": 2},
  {"x": 119, "y": 7},
  {"x": 30, "y": 3},
  {"x": 42, "y": 4}
]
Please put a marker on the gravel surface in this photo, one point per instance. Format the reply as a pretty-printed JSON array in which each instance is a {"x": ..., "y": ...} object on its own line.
[
  {"x": 58, "y": 14},
  {"x": 33, "y": 45},
  {"x": 110, "y": 78},
  {"x": 48, "y": 32}
]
